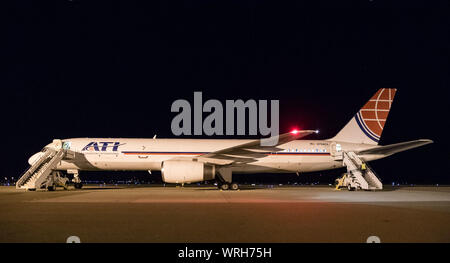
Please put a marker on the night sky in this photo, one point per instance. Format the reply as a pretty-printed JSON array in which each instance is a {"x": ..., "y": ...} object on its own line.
[{"x": 113, "y": 69}]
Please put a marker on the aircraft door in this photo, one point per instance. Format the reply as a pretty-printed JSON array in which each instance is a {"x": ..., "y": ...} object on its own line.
[{"x": 335, "y": 149}]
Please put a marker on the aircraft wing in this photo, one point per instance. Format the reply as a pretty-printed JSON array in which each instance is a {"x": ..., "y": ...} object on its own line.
[
  {"x": 251, "y": 151},
  {"x": 395, "y": 148}
]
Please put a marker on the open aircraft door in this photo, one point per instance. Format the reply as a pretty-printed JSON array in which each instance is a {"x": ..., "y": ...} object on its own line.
[{"x": 336, "y": 151}]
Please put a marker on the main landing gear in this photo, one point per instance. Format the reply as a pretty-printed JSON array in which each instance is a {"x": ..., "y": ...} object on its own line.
[
  {"x": 224, "y": 180},
  {"x": 227, "y": 186}
]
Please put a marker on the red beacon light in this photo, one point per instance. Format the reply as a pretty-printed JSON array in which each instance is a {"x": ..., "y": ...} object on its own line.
[{"x": 295, "y": 131}]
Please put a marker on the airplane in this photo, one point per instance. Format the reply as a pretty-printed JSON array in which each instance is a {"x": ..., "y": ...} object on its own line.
[{"x": 196, "y": 160}]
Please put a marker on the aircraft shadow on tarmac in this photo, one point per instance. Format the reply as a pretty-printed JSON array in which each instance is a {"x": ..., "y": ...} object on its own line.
[
  {"x": 95, "y": 188},
  {"x": 387, "y": 188},
  {"x": 240, "y": 189}
]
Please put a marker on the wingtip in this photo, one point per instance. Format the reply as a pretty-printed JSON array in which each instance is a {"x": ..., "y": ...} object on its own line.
[
  {"x": 298, "y": 132},
  {"x": 425, "y": 141}
]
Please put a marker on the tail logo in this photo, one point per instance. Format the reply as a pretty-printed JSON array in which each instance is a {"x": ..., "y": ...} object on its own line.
[{"x": 372, "y": 117}]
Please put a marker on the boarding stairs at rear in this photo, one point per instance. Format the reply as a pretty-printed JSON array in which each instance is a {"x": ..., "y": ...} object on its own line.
[
  {"x": 41, "y": 172},
  {"x": 359, "y": 174}
]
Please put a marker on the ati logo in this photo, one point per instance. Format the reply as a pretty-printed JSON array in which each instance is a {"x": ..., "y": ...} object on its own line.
[{"x": 102, "y": 146}]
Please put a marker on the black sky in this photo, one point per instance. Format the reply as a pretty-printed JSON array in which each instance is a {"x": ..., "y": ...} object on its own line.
[{"x": 113, "y": 69}]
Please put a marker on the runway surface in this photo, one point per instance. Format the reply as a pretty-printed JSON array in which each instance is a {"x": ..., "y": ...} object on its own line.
[{"x": 204, "y": 214}]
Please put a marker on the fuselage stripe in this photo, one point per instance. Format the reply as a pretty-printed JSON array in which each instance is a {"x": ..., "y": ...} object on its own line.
[
  {"x": 164, "y": 153},
  {"x": 199, "y": 153}
]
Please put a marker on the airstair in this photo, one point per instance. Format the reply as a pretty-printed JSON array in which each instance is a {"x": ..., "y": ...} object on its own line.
[
  {"x": 41, "y": 173},
  {"x": 359, "y": 174}
]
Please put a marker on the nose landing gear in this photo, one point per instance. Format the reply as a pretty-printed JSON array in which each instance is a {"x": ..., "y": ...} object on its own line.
[{"x": 76, "y": 179}]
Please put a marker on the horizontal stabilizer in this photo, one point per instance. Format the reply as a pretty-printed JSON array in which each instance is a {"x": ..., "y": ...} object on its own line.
[{"x": 395, "y": 148}]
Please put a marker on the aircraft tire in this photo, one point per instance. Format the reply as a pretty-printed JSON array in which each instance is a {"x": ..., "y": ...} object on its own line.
[{"x": 225, "y": 186}]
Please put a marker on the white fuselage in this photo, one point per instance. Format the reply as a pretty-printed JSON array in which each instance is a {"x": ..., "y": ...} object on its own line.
[{"x": 149, "y": 154}]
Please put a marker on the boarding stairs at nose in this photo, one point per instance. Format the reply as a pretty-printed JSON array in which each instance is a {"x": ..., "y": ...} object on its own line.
[{"x": 41, "y": 173}]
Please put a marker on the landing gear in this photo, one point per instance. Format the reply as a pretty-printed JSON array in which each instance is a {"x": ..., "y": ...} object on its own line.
[
  {"x": 76, "y": 179},
  {"x": 228, "y": 186},
  {"x": 225, "y": 180},
  {"x": 224, "y": 186}
]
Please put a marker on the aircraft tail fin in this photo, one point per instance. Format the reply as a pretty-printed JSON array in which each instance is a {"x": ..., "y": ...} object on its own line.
[{"x": 368, "y": 123}]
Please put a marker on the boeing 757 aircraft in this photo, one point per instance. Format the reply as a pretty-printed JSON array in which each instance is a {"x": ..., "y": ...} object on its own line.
[{"x": 196, "y": 160}]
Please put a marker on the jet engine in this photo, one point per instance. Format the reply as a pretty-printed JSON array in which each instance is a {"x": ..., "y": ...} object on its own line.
[{"x": 181, "y": 171}]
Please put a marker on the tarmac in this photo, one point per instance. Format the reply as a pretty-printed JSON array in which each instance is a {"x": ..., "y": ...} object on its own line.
[{"x": 204, "y": 214}]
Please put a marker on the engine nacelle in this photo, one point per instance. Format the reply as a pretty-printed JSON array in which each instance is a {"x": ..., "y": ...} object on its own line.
[{"x": 179, "y": 171}]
